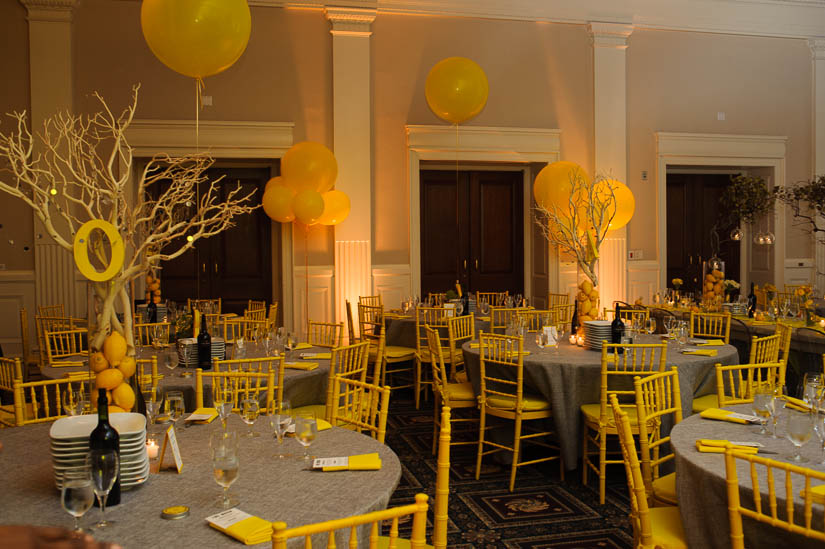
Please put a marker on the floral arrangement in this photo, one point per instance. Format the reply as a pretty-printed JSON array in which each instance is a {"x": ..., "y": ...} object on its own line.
[
  {"x": 769, "y": 287},
  {"x": 677, "y": 283},
  {"x": 731, "y": 286}
]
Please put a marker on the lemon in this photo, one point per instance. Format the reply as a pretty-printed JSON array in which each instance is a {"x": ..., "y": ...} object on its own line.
[
  {"x": 124, "y": 396},
  {"x": 585, "y": 307},
  {"x": 154, "y": 285},
  {"x": 109, "y": 378},
  {"x": 156, "y": 299},
  {"x": 149, "y": 278},
  {"x": 114, "y": 409},
  {"x": 587, "y": 287},
  {"x": 114, "y": 347},
  {"x": 594, "y": 294},
  {"x": 127, "y": 366},
  {"x": 98, "y": 362}
]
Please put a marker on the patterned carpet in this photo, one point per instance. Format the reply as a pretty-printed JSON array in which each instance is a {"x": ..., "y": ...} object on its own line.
[{"x": 542, "y": 513}]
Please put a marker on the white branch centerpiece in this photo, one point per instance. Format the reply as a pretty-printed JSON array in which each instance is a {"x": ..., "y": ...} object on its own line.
[{"x": 79, "y": 169}]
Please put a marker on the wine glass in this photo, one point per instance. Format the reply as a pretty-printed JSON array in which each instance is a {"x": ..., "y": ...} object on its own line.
[
  {"x": 157, "y": 337},
  {"x": 222, "y": 399},
  {"x": 779, "y": 394},
  {"x": 250, "y": 408},
  {"x": 280, "y": 421},
  {"x": 77, "y": 494},
  {"x": 174, "y": 404},
  {"x": 798, "y": 426},
  {"x": 459, "y": 308},
  {"x": 541, "y": 339},
  {"x": 153, "y": 397},
  {"x": 762, "y": 405},
  {"x": 483, "y": 306},
  {"x": 291, "y": 341},
  {"x": 793, "y": 309},
  {"x": 225, "y": 464},
  {"x": 306, "y": 430},
  {"x": 104, "y": 466},
  {"x": 668, "y": 324},
  {"x": 171, "y": 362},
  {"x": 74, "y": 402},
  {"x": 811, "y": 387},
  {"x": 819, "y": 429},
  {"x": 650, "y": 325}
]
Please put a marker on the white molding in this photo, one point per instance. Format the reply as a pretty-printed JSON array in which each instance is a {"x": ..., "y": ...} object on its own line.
[
  {"x": 350, "y": 21},
  {"x": 642, "y": 279},
  {"x": 474, "y": 144},
  {"x": 320, "y": 295},
  {"x": 393, "y": 283},
  {"x": 17, "y": 289},
  {"x": 800, "y": 270},
  {"x": 719, "y": 150},
  {"x": 609, "y": 35}
]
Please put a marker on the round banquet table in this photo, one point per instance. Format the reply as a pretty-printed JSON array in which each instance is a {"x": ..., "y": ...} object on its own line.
[
  {"x": 301, "y": 387},
  {"x": 571, "y": 377},
  {"x": 269, "y": 488},
  {"x": 701, "y": 485},
  {"x": 400, "y": 328}
]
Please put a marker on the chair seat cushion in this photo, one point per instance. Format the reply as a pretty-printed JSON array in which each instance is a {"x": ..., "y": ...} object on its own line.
[
  {"x": 664, "y": 489},
  {"x": 591, "y": 414},
  {"x": 532, "y": 403},
  {"x": 666, "y": 523},
  {"x": 703, "y": 403},
  {"x": 461, "y": 377},
  {"x": 461, "y": 391},
  {"x": 395, "y": 351},
  {"x": 320, "y": 410}
]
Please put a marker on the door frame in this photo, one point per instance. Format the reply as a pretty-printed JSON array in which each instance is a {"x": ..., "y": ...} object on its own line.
[
  {"x": 723, "y": 151},
  {"x": 514, "y": 147}
]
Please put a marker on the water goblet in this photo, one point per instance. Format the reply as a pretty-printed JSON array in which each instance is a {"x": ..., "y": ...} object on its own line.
[
  {"x": 541, "y": 339},
  {"x": 153, "y": 398},
  {"x": 174, "y": 405},
  {"x": 819, "y": 430},
  {"x": 279, "y": 421},
  {"x": 779, "y": 394},
  {"x": 291, "y": 341},
  {"x": 483, "y": 306},
  {"x": 762, "y": 405},
  {"x": 77, "y": 494},
  {"x": 811, "y": 387},
  {"x": 793, "y": 309},
  {"x": 650, "y": 325},
  {"x": 104, "y": 466},
  {"x": 459, "y": 308},
  {"x": 250, "y": 408},
  {"x": 74, "y": 402},
  {"x": 225, "y": 464},
  {"x": 222, "y": 399},
  {"x": 798, "y": 426},
  {"x": 306, "y": 430}
]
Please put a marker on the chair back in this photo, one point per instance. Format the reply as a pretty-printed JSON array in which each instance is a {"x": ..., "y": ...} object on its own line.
[
  {"x": 459, "y": 330},
  {"x": 536, "y": 319},
  {"x": 764, "y": 349},
  {"x": 628, "y": 315},
  {"x": 10, "y": 370},
  {"x": 204, "y": 305},
  {"x": 710, "y": 325},
  {"x": 24, "y": 335},
  {"x": 153, "y": 377},
  {"x": 51, "y": 310},
  {"x": 45, "y": 324},
  {"x": 738, "y": 383},
  {"x": 784, "y": 332},
  {"x": 146, "y": 333},
  {"x": 45, "y": 398},
  {"x": 773, "y": 474},
  {"x": 350, "y": 325},
  {"x": 362, "y": 405},
  {"x": 494, "y": 299},
  {"x": 370, "y": 320},
  {"x": 554, "y": 300},
  {"x": 506, "y": 379},
  {"x": 234, "y": 328},
  {"x": 564, "y": 313},
  {"x": 350, "y": 362},
  {"x": 371, "y": 300},
  {"x": 657, "y": 398},
  {"x": 237, "y": 386},
  {"x": 272, "y": 315},
  {"x": 325, "y": 334},
  {"x": 436, "y": 318},
  {"x": 254, "y": 364},
  {"x": 500, "y": 317},
  {"x": 255, "y": 314},
  {"x": 65, "y": 344},
  {"x": 440, "y": 378},
  {"x": 761, "y": 298},
  {"x": 618, "y": 371},
  {"x": 375, "y": 520},
  {"x": 436, "y": 299},
  {"x": 255, "y": 304}
]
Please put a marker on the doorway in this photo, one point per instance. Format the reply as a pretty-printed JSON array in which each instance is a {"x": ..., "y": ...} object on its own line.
[{"x": 472, "y": 230}]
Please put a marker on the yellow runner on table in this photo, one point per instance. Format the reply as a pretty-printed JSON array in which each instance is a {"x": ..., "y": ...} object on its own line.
[{"x": 715, "y": 446}]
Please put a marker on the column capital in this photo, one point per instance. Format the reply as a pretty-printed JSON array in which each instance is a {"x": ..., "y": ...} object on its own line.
[
  {"x": 350, "y": 21},
  {"x": 609, "y": 35},
  {"x": 50, "y": 10},
  {"x": 817, "y": 46}
]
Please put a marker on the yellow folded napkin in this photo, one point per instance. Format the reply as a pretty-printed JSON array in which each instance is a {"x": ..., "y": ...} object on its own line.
[
  {"x": 817, "y": 493},
  {"x": 202, "y": 416},
  {"x": 711, "y": 342},
  {"x": 796, "y": 404},
  {"x": 363, "y": 462},
  {"x": 242, "y": 526},
  {"x": 701, "y": 352},
  {"x": 483, "y": 318},
  {"x": 302, "y": 346},
  {"x": 77, "y": 375},
  {"x": 718, "y": 446},
  {"x": 722, "y": 415},
  {"x": 515, "y": 354},
  {"x": 476, "y": 345},
  {"x": 300, "y": 365},
  {"x": 762, "y": 323},
  {"x": 326, "y": 356}
]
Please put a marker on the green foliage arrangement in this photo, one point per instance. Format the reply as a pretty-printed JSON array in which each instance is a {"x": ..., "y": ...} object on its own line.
[
  {"x": 748, "y": 198},
  {"x": 806, "y": 200}
]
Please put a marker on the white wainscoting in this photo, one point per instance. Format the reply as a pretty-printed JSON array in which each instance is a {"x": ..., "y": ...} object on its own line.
[
  {"x": 16, "y": 291},
  {"x": 320, "y": 298},
  {"x": 642, "y": 280},
  {"x": 393, "y": 283},
  {"x": 800, "y": 270},
  {"x": 568, "y": 279}
]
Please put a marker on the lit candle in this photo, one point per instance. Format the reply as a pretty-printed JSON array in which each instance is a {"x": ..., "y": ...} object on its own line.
[
  {"x": 152, "y": 449},
  {"x": 572, "y": 339},
  {"x": 580, "y": 341},
  {"x": 822, "y": 323}
]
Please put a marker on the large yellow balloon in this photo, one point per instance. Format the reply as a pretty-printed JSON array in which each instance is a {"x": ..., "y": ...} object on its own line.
[
  {"x": 336, "y": 208},
  {"x": 277, "y": 203},
  {"x": 275, "y": 181},
  {"x": 308, "y": 206},
  {"x": 196, "y": 38},
  {"x": 309, "y": 166},
  {"x": 456, "y": 89},
  {"x": 625, "y": 204},
  {"x": 553, "y": 184}
]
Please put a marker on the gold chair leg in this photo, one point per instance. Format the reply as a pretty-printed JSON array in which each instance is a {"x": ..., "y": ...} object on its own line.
[
  {"x": 516, "y": 451},
  {"x": 602, "y": 465},
  {"x": 584, "y": 453},
  {"x": 436, "y": 424},
  {"x": 417, "y": 382},
  {"x": 481, "y": 425}
]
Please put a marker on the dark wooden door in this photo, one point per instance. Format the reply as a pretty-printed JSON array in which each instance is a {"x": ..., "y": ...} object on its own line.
[
  {"x": 472, "y": 230},
  {"x": 693, "y": 209},
  {"x": 235, "y": 265}
]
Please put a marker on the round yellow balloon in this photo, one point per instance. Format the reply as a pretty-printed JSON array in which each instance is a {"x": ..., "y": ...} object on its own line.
[
  {"x": 81, "y": 250},
  {"x": 336, "y": 208},
  {"x": 274, "y": 181},
  {"x": 309, "y": 166},
  {"x": 456, "y": 89},
  {"x": 196, "y": 38},
  {"x": 308, "y": 206},
  {"x": 625, "y": 204},
  {"x": 554, "y": 184},
  {"x": 277, "y": 203}
]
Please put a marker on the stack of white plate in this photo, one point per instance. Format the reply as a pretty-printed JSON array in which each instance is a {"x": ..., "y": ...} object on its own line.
[
  {"x": 596, "y": 331},
  {"x": 70, "y": 445},
  {"x": 191, "y": 344}
]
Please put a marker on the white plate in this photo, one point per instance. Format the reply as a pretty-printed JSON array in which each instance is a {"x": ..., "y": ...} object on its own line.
[
  {"x": 74, "y": 428},
  {"x": 597, "y": 323}
]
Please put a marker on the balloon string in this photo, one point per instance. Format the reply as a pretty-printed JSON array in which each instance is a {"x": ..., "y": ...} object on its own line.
[
  {"x": 198, "y": 106},
  {"x": 306, "y": 277}
]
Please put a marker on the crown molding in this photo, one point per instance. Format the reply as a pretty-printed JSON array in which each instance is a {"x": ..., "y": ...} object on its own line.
[
  {"x": 609, "y": 35},
  {"x": 817, "y": 46},
  {"x": 350, "y": 21},
  {"x": 59, "y": 11}
]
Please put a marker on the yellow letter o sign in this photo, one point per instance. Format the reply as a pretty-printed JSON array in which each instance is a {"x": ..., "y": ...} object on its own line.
[{"x": 81, "y": 250}]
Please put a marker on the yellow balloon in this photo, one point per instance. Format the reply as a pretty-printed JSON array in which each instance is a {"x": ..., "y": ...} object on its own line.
[
  {"x": 309, "y": 166},
  {"x": 308, "y": 206},
  {"x": 196, "y": 38},
  {"x": 625, "y": 204},
  {"x": 553, "y": 186},
  {"x": 275, "y": 181},
  {"x": 456, "y": 89},
  {"x": 336, "y": 208},
  {"x": 277, "y": 203}
]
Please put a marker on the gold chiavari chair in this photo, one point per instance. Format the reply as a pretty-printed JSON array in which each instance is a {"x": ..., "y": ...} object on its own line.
[
  {"x": 350, "y": 325},
  {"x": 784, "y": 332},
  {"x": 771, "y": 469},
  {"x": 10, "y": 370},
  {"x": 153, "y": 377},
  {"x": 66, "y": 348},
  {"x": 500, "y": 317},
  {"x": 436, "y": 299},
  {"x": 371, "y": 300},
  {"x": 204, "y": 305},
  {"x": 255, "y": 314},
  {"x": 234, "y": 328},
  {"x": 395, "y": 359},
  {"x": 628, "y": 315},
  {"x": 325, "y": 334},
  {"x": 437, "y": 319},
  {"x": 45, "y": 324},
  {"x": 564, "y": 313},
  {"x": 536, "y": 319},
  {"x": 764, "y": 349},
  {"x": 617, "y": 370},
  {"x": 451, "y": 395},
  {"x": 494, "y": 299},
  {"x": 237, "y": 386},
  {"x": 255, "y": 364},
  {"x": 554, "y": 300},
  {"x": 738, "y": 383},
  {"x": 151, "y": 333},
  {"x": 272, "y": 316},
  {"x": 24, "y": 337},
  {"x": 374, "y": 520},
  {"x": 502, "y": 395},
  {"x": 657, "y": 397},
  {"x": 361, "y": 406},
  {"x": 792, "y": 288},
  {"x": 460, "y": 329},
  {"x": 256, "y": 304},
  {"x": 51, "y": 310},
  {"x": 711, "y": 325},
  {"x": 652, "y": 527},
  {"x": 45, "y": 398}
]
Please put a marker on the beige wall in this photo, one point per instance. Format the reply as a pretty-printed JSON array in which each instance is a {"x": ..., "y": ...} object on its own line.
[
  {"x": 678, "y": 81},
  {"x": 540, "y": 76},
  {"x": 15, "y": 218}
]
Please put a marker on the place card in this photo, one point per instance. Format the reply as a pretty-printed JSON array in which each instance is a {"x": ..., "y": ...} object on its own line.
[
  {"x": 203, "y": 415},
  {"x": 225, "y": 519},
  {"x": 320, "y": 463},
  {"x": 172, "y": 440},
  {"x": 746, "y": 417}
]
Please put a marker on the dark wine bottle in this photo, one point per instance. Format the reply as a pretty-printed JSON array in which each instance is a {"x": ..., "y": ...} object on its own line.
[
  {"x": 751, "y": 302},
  {"x": 152, "y": 310},
  {"x": 617, "y": 329},
  {"x": 105, "y": 437},
  {"x": 204, "y": 347},
  {"x": 574, "y": 321}
]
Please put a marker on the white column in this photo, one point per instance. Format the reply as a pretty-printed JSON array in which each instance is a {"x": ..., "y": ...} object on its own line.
[
  {"x": 818, "y": 138},
  {"x": 51, "y": 83},
  {"x": 610, "y": 116},
  {"x": 352, "y": 130}
]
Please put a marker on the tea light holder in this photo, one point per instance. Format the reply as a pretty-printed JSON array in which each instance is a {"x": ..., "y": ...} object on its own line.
[
  {"x": 573, "y": 339},
  {"x": 153, "y": 451},
  {"x": 580, "y": 341},
  {"x": 822, "y": 323}
]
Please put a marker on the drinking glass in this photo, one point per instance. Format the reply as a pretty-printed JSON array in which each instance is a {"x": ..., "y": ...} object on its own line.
[
  {"x": 650, "y": 325},
  {"x": 779, "y": 394},
  {"x": 291, "y": 341},
  {"x": 74, "y": 402},
  {"x": 459, "y": 308},
  {"x": 819, "y": 429},
  {"x": 784, "y": 306},
  {"x": 279, "y": 421},
  {"x": 798, "y": 426},
  {"x": 683, "y": 332},
  {"x": 174, "y": 404},
  {"x": 250, "y": 408},
  {"x": 762, "y": 406},
  {"x": 483, "y": 306},
  {"x": 240, "y": 348},
  {"x": 541, "y": 339},
  {"x": 171, "y": 362},
  {"x": 153, "y": 398},
  {"x": 305, "y": 431},
  {"x": 793, "y": 309},
  {"x": 668, "y": 323},
  {"x": 77, "y": 494},
  {"x": 103, "y": 466},
  {"x": 811, "y": 387},
  {"x": 157, "y": 337},
  {"x": 222, "y": 399},
  {"x": 225, "y": 464}
]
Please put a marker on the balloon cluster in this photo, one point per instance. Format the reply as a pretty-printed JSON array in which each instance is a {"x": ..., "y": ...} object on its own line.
[{"x": 304, "y": 190}]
